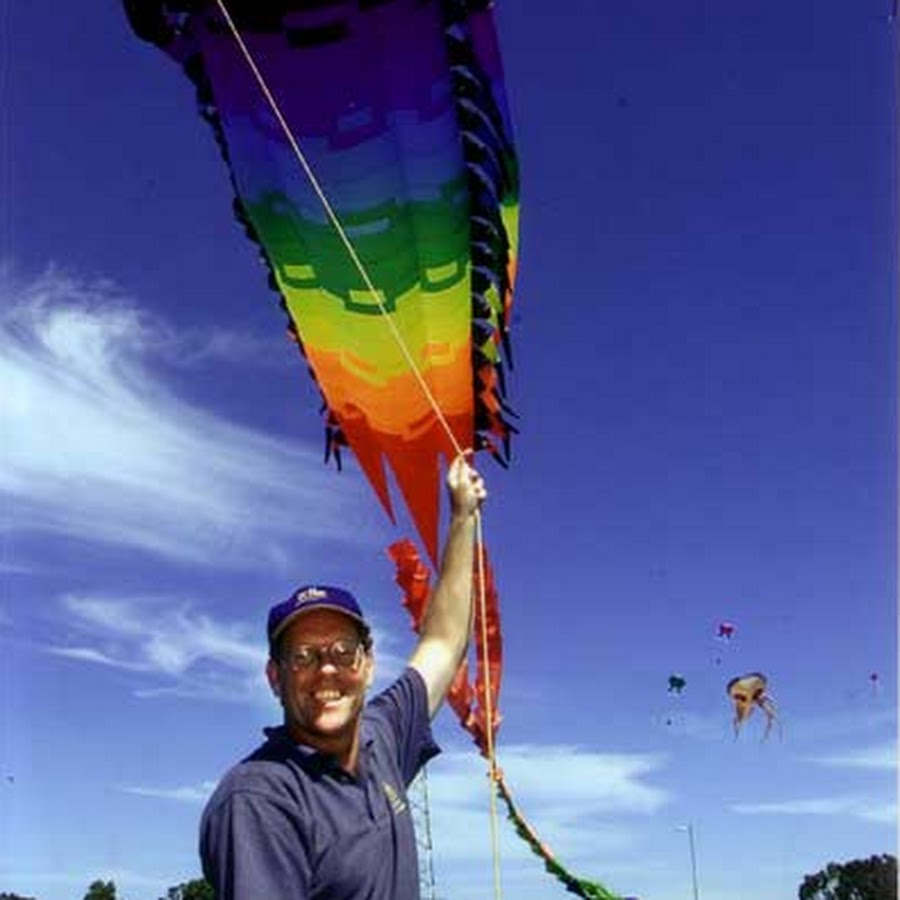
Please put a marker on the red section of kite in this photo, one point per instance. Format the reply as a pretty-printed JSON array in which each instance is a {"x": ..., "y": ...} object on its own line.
[{"x": 467, "y": 698}]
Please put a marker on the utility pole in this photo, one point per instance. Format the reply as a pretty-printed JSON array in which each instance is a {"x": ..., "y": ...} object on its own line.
[{"x": 689, "y": 828}]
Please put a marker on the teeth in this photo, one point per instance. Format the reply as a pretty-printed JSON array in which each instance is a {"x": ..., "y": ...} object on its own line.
[{"x": 328, "y": 695}]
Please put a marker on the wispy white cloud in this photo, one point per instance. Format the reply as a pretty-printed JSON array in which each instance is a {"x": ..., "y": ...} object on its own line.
[
  {"x": 184, "y": 652},
  {"x": 585, "y": 782},
  {"x": 181, "y": 651},
  {"x": 867, "y": 808},
  {"x": 568, "y": 790},
  {"x": 844, "y": 725},
  {"x": 92, "y": 655},
  {"x": 195, "y": 795},
  {"x": 96, "y": 445},
  {"x": 881, "y": 757},
  {"x": 231, "y": 347}
]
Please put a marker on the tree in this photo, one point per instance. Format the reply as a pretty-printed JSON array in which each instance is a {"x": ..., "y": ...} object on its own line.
[
  {"x": 198, "y": 889},
  {"x": 101, "y": 890},
  {"x": 6, "y": 896},
  {"x": 874, "y": 878}
]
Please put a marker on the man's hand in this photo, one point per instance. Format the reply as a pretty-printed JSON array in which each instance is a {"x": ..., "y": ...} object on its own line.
[{"x": 465, "y": 486}]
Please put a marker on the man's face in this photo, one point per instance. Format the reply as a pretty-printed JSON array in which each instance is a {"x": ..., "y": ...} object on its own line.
[{"x": 321, "y": 703}]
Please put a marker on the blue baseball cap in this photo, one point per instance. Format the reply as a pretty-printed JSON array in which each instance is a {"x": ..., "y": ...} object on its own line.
[{"x": 309, "y": 597}]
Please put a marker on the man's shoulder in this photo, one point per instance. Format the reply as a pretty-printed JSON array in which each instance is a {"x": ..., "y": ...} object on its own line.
[
  {"x": 272, "y": 771},
  {"x": 397, "y": 718},
  {"x": 407, "y": 690}
]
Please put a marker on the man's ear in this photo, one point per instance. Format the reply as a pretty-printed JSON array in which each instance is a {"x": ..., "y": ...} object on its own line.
[
  {"x": 370, "y": 669},
  {"x": 273, "y": 676}
]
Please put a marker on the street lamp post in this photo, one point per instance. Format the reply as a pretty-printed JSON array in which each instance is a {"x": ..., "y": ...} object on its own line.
[{"x": 689, "y": 828}]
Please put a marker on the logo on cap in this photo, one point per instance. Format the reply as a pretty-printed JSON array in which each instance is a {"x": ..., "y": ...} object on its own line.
[{"x": 311, "y": 597}]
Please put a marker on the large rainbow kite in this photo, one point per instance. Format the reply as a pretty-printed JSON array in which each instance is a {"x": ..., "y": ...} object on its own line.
[{"x": 400, "y": 111}]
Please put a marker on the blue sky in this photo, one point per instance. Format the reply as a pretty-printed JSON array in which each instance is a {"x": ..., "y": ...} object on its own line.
[{"x": 705, "y": 344}]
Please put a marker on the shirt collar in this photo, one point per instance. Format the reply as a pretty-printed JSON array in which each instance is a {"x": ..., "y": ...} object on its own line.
[{"x": 278, "y": 734}]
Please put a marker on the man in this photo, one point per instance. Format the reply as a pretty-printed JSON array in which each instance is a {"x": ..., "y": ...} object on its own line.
[{"x": 319, "y": 810}]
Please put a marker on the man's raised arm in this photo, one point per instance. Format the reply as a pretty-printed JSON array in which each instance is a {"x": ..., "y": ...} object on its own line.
[{"x": 448, "y": 616}]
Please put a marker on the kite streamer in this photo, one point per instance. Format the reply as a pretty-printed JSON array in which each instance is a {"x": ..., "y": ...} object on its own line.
[{"x": 467, "y": 698}]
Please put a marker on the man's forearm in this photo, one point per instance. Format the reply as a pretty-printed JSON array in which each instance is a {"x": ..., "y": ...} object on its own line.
[{"x": 448, "y": 617}]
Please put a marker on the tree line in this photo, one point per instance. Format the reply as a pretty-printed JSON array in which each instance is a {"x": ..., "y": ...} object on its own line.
[
  {"x": 198, "y": 889},
  {"x": 874, "y": 878}
]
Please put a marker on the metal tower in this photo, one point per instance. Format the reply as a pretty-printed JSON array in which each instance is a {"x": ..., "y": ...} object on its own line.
[{"x": 417, "y": 794}]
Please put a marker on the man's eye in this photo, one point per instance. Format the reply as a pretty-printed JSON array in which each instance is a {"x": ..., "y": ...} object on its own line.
[{"x": 304, "y": 657}]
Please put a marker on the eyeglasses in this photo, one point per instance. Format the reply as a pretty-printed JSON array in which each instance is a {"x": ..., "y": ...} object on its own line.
[{"x": 342, "y": 654}]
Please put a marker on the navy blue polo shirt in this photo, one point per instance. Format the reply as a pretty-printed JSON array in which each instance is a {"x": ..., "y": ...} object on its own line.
[{"x": 287, "y": 823}]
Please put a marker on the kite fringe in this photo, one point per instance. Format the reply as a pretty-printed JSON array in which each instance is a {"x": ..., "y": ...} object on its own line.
[{"x": 493, "y": 183}]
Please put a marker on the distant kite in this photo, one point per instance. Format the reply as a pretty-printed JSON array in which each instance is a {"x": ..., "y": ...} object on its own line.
[
  {"x": 724, "y": 633},
  {"x": 677, "y": 684},
  {"x": 747, "y": 692}
]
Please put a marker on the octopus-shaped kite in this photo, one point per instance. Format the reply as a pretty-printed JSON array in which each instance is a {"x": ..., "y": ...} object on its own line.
[{"x": 748, "y": 691}]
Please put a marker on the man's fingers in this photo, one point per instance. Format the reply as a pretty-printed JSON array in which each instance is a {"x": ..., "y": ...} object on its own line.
[{"x": 463, "y": 476}]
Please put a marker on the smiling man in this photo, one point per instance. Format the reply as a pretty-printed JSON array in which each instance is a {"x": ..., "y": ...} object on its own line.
[{"x": 319, "y": 810}]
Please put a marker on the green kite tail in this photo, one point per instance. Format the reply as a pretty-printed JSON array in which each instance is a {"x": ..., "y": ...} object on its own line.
[{"x": 591, "y": 890}]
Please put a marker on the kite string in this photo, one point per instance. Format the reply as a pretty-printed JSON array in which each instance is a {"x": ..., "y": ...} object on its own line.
[
  {"x": 338, "y": 227},
  {"x": 429, "y": 396},
  {"x": 488, "y": 700}
]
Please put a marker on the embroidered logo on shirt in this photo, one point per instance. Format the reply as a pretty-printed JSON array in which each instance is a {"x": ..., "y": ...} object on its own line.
[{"x": 398, "y": 804}]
